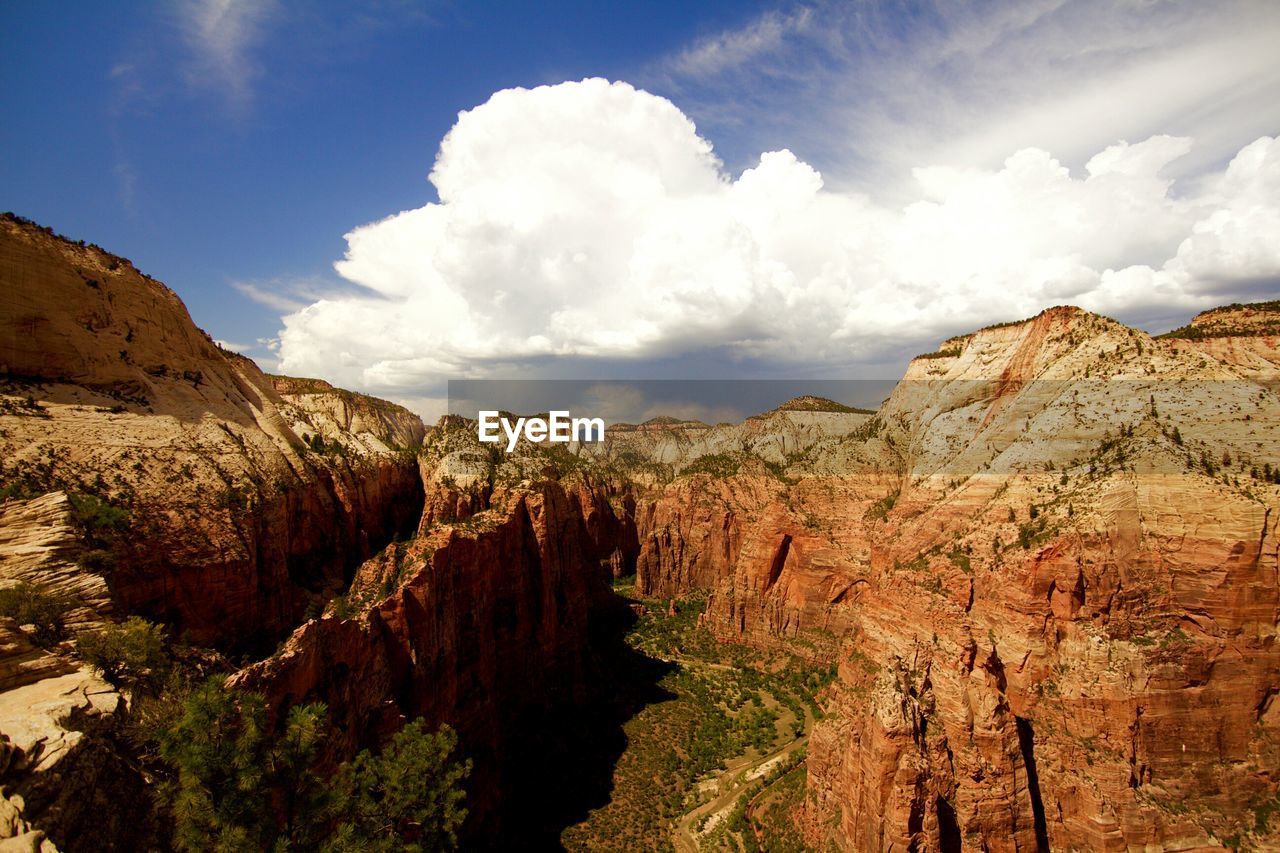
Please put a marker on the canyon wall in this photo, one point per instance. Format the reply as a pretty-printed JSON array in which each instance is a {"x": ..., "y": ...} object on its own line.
[
  {"x": 493, "y": 623},
  {"x": 1047, "y": 568},
  {"x": 244, "y": 505}
]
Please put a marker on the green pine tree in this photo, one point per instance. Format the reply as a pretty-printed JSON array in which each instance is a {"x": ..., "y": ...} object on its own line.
[
  {"x": 218, "y": 748},
  {"x": 237, "y": 787},
  {"x": 132, "y": 652},
  {"x": 406, "y": 798}
]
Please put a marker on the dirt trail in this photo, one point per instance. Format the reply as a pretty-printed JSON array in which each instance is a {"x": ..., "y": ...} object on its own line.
[{"x": 739, "y": 772}]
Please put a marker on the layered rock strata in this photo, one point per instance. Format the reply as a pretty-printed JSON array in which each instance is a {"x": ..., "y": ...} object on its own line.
[{"x": 233, "y": 517}]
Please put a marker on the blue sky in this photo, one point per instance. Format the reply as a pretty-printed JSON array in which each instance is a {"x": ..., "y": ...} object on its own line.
[
  {"x": 747, "y": 189},
  {"x": 120, "y": 132}
]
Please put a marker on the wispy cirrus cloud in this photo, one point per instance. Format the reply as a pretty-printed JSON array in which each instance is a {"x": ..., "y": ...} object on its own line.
[
  {"x": 277, "y": 296},
  {"x": 870, "y": 90},
  {"x": 221, "y": 35},
  {"x": 292, "y": 293},
  {"x": 732, "y": 49}
]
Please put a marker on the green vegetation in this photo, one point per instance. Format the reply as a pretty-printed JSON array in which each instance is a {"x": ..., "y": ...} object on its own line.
[
  {"x": 220, "y": 752},
  {"x": 868, "y": 430},
  {"x": 408, "y": 797},
  {"x": 879, "y": 510},
  {"x": 1035, "y": 532},
  {"x": 129, "y": 653},
  {"x": 772, "y": 812},
  {"x": 729, "y": 703},
  {"x": 232, "y": 784},
  {"x": 667, "y": 420},
  {"x": 20, "y": 490},
  {"x": 28, "y": 407},
  {"x": 813, "y": 403},
  {"x": 1263, "y": 814},
  {"x": 718, "y": 465},
  {"x": 779, "y": 472},
  {"x": 316, "y": 444},
  {"x": 1004, "y": 325},
  {"x": 44, "y": 610},
  {"x": 942, "y": 353},
  {"x": 564, "y": 460},
  {"x": 1210, "y": 329},
  {"x": 102, "y": 521}
]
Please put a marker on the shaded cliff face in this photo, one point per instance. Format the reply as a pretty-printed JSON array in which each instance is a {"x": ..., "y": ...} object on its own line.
[
  {"x": 495, "y": 625},
  {"x": 233, "y": 525}
]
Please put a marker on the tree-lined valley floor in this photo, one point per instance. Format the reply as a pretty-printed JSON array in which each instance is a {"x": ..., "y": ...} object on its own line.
[{"x": 732, "y": 728}]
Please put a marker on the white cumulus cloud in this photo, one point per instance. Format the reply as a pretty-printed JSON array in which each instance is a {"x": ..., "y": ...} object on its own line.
[{"x": 589, "y": 222}]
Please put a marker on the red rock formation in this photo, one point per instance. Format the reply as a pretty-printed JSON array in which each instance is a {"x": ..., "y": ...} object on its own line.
[
  {"x": 482, "y": 625},
  {"x": 1056, "y": 612},
  {"x": 608, "y": 511},
  {"x": 689, "y": 532}
]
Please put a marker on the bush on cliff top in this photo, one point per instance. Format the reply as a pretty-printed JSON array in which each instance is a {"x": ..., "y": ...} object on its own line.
[
  {"x": 237, "y": 786},
  {"x": 130, "y": 653},
  {"x": 28, "y": 604}
]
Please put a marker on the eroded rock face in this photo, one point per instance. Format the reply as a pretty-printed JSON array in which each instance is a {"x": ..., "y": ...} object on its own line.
[
  {"x": 41, "y": 544},
  {"x": 336, "y": 413},
  {"x": 1048, "y": 564},
  {"x": 485, "y": 626},
  {"x": 1246, "y": 337},
  {"x": 1103, "y": 678},
  {"x": 235, "y": 525}
]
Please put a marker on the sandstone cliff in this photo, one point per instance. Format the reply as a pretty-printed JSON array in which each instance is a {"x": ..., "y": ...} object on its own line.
[
  {"x": 234, "y": 525},
  {"x": 1069, "y": 636},
  {"x": 488, "y": 625},
  {"x": 338, "y": 413},
  {"x": 1247, "y": 337},
  {"x": 1049, "y": 565}
]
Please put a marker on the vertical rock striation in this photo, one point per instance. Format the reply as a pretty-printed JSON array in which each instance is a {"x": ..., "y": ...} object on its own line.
[{"x": 489, "y": 626}]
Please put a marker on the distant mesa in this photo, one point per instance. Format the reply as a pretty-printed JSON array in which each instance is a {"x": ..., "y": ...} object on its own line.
[
  {"x": 812, "y": 403},
  {"x": 661, "y": 422},
  {"x": 1256, "y": 319},
  {"x": 302, "y": 387}
]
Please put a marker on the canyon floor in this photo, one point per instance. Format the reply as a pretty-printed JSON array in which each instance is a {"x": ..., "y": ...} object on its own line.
[{"x": 731, "y": 723}]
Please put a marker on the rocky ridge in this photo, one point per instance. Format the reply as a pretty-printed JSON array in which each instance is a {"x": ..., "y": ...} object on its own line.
[
  {"x": 235, "y": 525},
  {"x": 145, "y": 470},
  {"x": 1049, "y": 566},
  {"x": 491, "y": 620}
]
